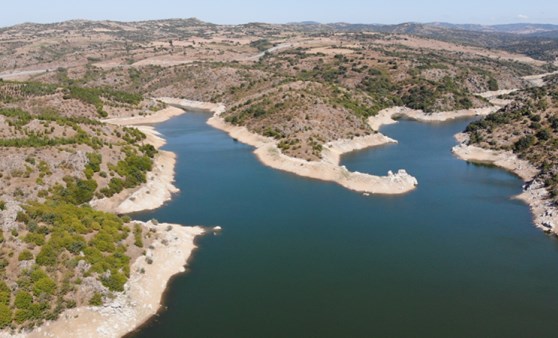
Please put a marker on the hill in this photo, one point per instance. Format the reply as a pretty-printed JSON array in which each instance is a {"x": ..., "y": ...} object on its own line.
[{"x": 303, "y": 85}]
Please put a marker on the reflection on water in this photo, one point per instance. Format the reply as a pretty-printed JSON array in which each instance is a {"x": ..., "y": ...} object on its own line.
[{"x": 304, "y": 258}]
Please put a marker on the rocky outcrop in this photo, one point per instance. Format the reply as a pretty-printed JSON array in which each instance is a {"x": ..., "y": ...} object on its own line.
[{"x": 9, "y": 214}]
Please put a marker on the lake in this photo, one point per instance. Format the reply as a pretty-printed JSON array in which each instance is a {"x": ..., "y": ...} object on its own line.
[{"x": 457, "y": 257}]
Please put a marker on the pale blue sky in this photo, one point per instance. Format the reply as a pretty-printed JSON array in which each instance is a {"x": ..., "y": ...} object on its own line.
[{"x": 280, "y": 11}]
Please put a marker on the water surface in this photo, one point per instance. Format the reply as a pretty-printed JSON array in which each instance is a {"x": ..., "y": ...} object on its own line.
[{"x": 303, "y": 258}]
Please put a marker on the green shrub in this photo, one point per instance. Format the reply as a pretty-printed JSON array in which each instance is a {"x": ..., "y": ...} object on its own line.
[
  {"x": 261, "y": 45},
  {"x": 5, "y": 315},
  {"x": 5, "y": 293},
  {"x": 524, "y": 143},
  {"x": 138, "y": 234},
  {"x": 48, "y": 256},
  {"x": 115, "y": 282},
  {"x": 132, "y": 169},
  {"x": 44, "y": 285},
  {"x": 493, "y": 84},
  {"x": 25, "y": 255},
  {"x": 96, "y": 300},
  {"x": 77, "y": 191},
  {"x": 95, "y": 161},
  {"x": 421, "y": 98},
  {"x": 66, "y": 230},
  {"x": 36, "y": 238},
  {"x": 21, "y": 315},
  {"x": 23, "y": 300}
]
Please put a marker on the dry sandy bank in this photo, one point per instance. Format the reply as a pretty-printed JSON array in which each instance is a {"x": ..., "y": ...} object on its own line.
[
  {"x": 388, "y": 115},
  {"x": 168, "y": 254},
  {"x": 143, "y": 291},
  {"x": 328, "y": 169},
  {"x": 156, "y": 117},
  {"x": 159, "y": 187}
]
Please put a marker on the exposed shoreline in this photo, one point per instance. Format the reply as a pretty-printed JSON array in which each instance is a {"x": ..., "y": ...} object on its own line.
[
  {"x": 388, "y": 115},
  {"x": 124, "y": 313},
  {"x": 143, "y": 291},
  {"x": 328, "y": 169},
  {"x": 545, "y": 215},
  {"x": 169, "y": 253},
  {"x": 159, "y": 187}
]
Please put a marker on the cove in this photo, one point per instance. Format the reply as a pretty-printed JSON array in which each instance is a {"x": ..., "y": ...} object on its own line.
[{"x": 303, "y": 258}]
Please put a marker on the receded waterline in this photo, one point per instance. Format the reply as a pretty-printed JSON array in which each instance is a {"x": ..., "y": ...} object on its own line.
[{"x": 300, "y": 257}]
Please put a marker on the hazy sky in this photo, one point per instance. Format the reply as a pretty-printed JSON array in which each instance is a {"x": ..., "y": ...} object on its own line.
[{"x": 280, "y": 11}]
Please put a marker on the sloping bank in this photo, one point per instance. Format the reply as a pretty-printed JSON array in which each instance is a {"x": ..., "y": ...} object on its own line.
[
  {"x": 150, "y": 273},
  {"x": 545, "y": 213},
  {"x": 142, "y": 294},
  {"x": 328, "y": 169}
]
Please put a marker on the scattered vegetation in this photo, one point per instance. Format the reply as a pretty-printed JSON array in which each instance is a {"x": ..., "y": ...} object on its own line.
[
  {"x": 61, "y": 253},
  {"x": 65, "y": 244},
  {"x": 529, "y": 128}
]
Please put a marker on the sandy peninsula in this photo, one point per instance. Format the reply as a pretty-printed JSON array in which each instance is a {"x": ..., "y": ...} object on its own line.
[
  {"x": 328, "y": 169},
  {"x": 388, "y": 115},
  {"x": 545, "y": 214},
  {"x": 141, "y": 299}
]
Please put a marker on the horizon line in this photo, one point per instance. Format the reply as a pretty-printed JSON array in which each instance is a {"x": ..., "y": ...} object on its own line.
[{"x": 274, "y": 23}]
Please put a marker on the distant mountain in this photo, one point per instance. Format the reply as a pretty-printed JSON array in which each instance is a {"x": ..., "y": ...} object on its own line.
[
  {"x": 514, "y": 28},
  {"x": 539, "y": 41},
  {"x": 535, "y": 40},
  {"x": 531, "y": 29},
  {"x": 304, "y": 23}
]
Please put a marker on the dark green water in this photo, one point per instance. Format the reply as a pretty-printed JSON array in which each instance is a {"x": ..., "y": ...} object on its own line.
[{"x": 304, "y": 258}]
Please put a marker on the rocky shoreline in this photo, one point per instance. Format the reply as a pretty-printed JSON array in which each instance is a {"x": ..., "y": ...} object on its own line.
[
  {"x": 388, "y": 116},
  {"x": 545, "y": 213},
  {"x": 149, "y": 276}
]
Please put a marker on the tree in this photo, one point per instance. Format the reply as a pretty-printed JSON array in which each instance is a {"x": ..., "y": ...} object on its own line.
[
  {"x": 493, "y": 85},
  {"x": 524, "y": 143}
]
